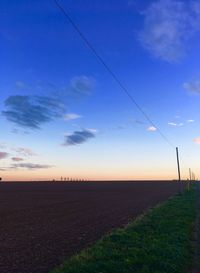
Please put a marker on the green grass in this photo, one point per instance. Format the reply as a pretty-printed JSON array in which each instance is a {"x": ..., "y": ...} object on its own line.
[{"x": 159, "y": 242}]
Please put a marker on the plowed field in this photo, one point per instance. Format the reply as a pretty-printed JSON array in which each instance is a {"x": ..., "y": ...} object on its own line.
[{"x": 43, "y": 223}]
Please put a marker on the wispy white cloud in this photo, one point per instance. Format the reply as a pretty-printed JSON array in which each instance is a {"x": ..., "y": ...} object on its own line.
[
  {"x": 190, "y": 120},
  {"x": 20, "y": 151},
  {"x": 175, "y": 124},
  {"x": 71, "y": 116},
  {"x": 27, "y": 166},
  {"x": 172, "y": 123},
  {"x": 168, "y": 26},
  {"x": 193, "y": 86},
  {"x": 151, "y": 129},
  {"x": 180, "y": 124},
  {"x": 92, "y": 130},
  {"x": 197, "y": 140},
  {"x": 30, "y": 166},
  {"x": 24, "y": 151}
]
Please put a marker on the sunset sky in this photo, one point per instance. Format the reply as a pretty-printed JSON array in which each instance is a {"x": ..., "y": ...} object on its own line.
[{"x": 62, "y": 114}]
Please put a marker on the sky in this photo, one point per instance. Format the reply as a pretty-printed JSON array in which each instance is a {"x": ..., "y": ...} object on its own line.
[{"x": 63, "y": 114}]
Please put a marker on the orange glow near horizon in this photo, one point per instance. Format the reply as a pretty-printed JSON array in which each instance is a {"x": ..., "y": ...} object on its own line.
[{"x": 41, "y": 176}]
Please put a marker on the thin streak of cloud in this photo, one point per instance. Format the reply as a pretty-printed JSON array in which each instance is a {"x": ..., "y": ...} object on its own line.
[
  {"x": 172, "y": 123},
  {"x": 175, "y": 124},
  {"x": 30, "y": 166},
  {"x": 24, "y": 151},
  {"x": 17, "y": 159},
  {"x": 71, "y": 116}
]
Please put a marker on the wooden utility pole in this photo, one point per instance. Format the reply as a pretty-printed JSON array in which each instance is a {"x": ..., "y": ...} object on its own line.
[
  {"x": 190, "y": 179},
  {"x": 190, "y": 174},
  {"x": 179, "y": 173}
]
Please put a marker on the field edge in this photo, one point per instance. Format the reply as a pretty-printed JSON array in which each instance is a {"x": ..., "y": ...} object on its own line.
[{"x": 162, "y": 240}]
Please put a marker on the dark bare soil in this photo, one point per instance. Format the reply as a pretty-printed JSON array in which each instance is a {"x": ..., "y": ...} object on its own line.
[{"x": 43, "y": 223}]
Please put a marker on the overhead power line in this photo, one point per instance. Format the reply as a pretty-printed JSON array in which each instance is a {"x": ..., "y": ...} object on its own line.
[{"x": 114, "y": 76}]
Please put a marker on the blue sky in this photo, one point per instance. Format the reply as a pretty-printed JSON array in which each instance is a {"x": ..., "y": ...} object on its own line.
[{"x": 62, "y": 113}]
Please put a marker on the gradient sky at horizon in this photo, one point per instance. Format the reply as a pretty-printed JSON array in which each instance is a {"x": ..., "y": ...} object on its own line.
[{"x": 62, "y": 114}]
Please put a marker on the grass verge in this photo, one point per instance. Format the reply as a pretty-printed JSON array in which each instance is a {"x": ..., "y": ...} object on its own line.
[{"x": 159, "y": 242}]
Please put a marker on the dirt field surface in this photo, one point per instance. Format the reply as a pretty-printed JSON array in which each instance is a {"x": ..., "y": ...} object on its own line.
[{"x": 43, "y": 223}]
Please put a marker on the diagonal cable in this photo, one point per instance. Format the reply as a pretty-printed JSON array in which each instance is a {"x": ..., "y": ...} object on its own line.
[{"x": 113, "y": 75}]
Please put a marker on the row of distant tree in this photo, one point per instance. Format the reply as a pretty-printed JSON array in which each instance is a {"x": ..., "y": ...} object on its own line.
[
  {"x": 66, "y": 179},
  {"x": 71, "y": 179}
]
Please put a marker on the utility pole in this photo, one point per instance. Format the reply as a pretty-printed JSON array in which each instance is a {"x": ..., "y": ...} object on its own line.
[
  {"x": 179, "y": 173},
  {"x": 190, "y": 179},
  {"x": 190, "y": 174}
]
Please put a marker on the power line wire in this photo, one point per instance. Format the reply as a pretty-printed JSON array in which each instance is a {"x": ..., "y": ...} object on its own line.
[{"x": 114, "y": 76}]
